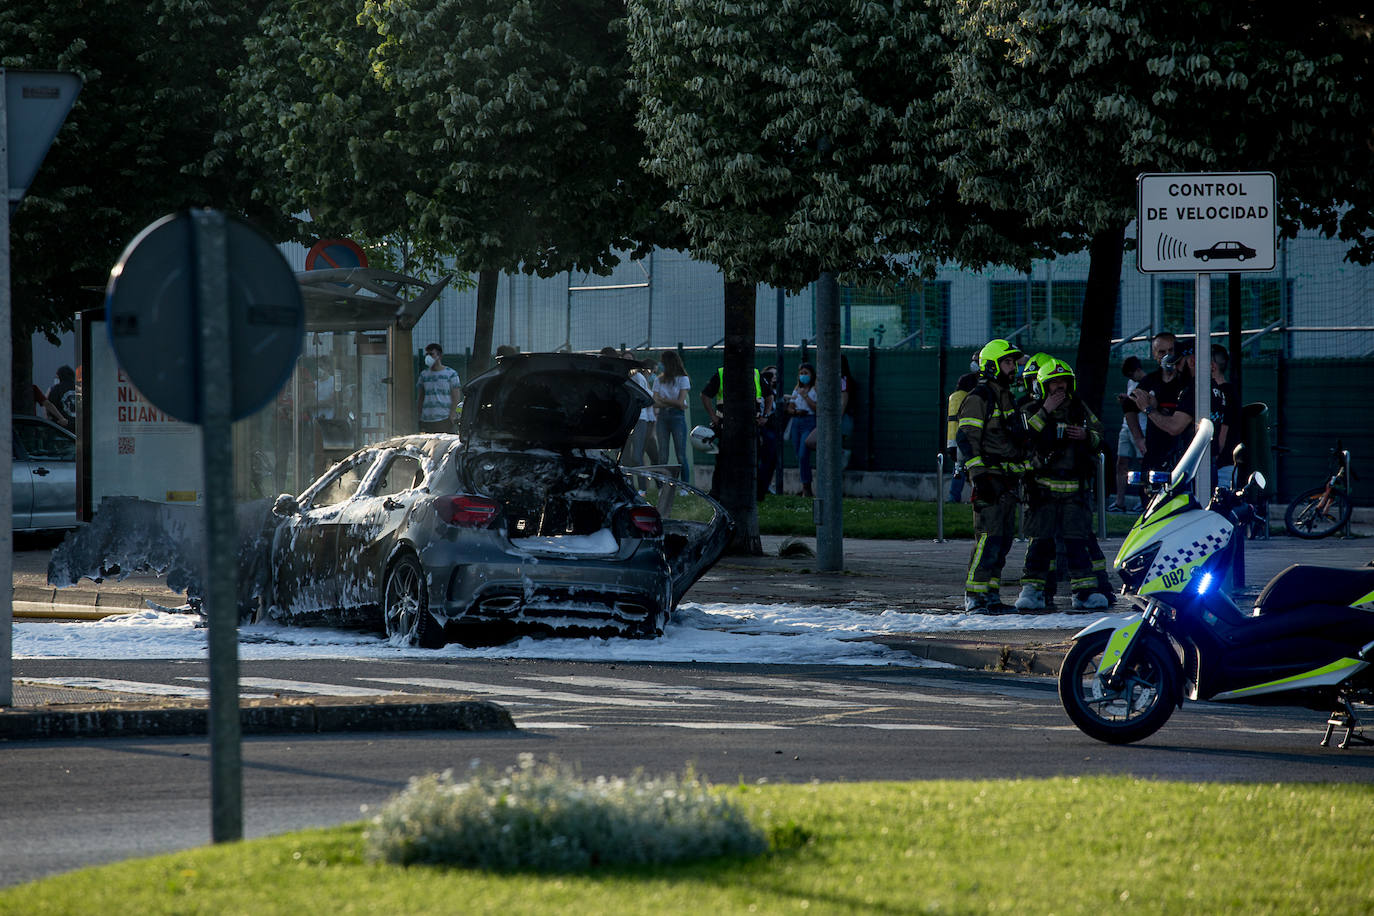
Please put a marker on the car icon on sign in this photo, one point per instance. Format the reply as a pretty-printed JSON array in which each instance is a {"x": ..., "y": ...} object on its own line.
[{"x": 1222, "y": 250}]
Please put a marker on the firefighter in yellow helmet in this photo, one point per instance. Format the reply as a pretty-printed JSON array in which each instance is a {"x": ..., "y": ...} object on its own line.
[
  {"x": 1067, "y": 438},
  {"x": 966, "y": 383},
  {"x": 993, "y": 448}
]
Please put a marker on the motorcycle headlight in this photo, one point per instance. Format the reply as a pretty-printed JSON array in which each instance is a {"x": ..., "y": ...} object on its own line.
[{"x": 1133, "y": 571}]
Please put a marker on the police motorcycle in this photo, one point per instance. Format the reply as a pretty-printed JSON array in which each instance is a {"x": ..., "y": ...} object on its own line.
[{"x": 1307, "y": 642}]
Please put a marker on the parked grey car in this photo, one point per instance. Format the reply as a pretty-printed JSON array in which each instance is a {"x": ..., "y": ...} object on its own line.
[
  {"x": 524, "y": 521},
  {"x": 43, "y": 475}
]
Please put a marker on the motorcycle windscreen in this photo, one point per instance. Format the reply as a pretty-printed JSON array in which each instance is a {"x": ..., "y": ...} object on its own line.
[{"x": 1186, "y": 468}]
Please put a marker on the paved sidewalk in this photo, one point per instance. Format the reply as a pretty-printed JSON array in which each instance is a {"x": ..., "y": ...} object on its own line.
[{"x": 878, "y": 576}]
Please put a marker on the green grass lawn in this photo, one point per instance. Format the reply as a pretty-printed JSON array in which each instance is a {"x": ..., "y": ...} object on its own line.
[
  {"x": 1088, "y": 845},
  {"x": 886, "y": 519}
]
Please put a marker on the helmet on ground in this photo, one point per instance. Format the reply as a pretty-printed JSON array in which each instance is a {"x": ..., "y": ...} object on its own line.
[
  {"x": 704, "y": 438},
  {"x": 1054, "y": 369},
  {"x": 993, "y": 352}
]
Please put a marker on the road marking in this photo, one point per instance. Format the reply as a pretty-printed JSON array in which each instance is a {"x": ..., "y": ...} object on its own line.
[
  {"x": 537, "y": 725},
  {"x": 696, "y": 693},
  {"x": 726, "y": 726},
  {"x": 874, "y": 693},
  {"x": 1023, "y": 693},
  {"x": 529, "y": 693},
  {"x": 310, "y": 687},
  {"x": 905, "y": 726},
  {"x": 139, "y": 687}
]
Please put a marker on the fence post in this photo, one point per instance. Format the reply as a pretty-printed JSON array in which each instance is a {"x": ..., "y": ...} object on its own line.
[
  {"x": 1349, "y": 491},
  {"x": 871, "y": 406},
  {"x": 939, "y": 497},
  {"x": 1101, "y": 496}
]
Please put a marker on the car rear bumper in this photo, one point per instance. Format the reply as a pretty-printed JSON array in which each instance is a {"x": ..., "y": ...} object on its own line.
[{"x": 630, "y": 595}]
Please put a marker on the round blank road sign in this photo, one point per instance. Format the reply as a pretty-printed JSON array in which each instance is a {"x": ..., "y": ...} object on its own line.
[{"x": 153, "y": 312}]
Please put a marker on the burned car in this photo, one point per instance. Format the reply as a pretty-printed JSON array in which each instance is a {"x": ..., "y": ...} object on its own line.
[{"x": 524, "y": 521}]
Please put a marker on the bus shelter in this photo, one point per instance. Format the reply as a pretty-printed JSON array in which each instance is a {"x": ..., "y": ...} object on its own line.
[{"x": 353, "y": 384}]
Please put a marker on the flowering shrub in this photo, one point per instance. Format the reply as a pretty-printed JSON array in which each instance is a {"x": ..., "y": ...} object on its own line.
[{"x": 544, "y": 817}]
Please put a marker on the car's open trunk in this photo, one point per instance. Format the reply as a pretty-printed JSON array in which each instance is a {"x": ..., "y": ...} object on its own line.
[{"x": 544, "y": 494}]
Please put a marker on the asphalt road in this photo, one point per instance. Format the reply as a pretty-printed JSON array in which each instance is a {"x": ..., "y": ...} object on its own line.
[{"x": 74, "y": 803}]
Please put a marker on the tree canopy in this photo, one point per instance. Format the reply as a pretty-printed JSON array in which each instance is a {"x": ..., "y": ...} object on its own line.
[
  {"x": 496, "y": 132},
  {"x": 1055, "y": 108},
  {"x": 802, "y": 137},
  {"x": 137, "y": 145},
  {"x": 500, "y": 134}
]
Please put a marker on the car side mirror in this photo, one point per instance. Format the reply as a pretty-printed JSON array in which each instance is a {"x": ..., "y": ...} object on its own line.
[{"x": 285, "y": 506}]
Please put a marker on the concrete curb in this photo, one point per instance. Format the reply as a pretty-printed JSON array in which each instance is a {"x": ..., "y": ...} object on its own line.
[
  {"x": 48, "y": 603},
  {"x": 287, "y": 715}
]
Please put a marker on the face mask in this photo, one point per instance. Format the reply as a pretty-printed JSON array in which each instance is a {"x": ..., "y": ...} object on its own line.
[
  {"x": 804, "y": 379},
  {"x": 658, "y": 369},
  {"x": 56, "y": 381},
  {"x": 430, "y": 361}
]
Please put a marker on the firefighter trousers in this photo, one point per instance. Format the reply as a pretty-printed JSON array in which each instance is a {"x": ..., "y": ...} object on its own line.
[{"x": 994, "y": 528}]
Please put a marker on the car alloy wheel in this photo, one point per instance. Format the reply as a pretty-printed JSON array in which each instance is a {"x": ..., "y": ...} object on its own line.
[{"x": 405, "y": 605}]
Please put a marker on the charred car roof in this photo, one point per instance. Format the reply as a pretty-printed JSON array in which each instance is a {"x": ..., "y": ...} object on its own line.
[{"x": 554, "y": 400}]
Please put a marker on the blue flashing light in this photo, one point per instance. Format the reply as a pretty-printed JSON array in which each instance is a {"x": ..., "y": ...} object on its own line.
[{"x": 1204, "y": 583}]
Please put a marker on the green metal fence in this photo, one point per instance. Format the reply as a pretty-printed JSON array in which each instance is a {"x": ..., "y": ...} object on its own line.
[{"x": 899, "y": 416}]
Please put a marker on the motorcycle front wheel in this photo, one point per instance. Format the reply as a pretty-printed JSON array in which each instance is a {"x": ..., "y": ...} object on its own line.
[
  {"x": 1314, "y": 514},
  {"x": 1128, "y": 706}
]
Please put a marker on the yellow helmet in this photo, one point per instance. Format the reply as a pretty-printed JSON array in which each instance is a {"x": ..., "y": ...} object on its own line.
[
  {"x": 1032, "y": 368},
  {"x": 1055, "y": 368},
  {"x": 993, "y": 352}
]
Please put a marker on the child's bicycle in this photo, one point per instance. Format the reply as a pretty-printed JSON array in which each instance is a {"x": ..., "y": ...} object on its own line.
[{"x": 1321, "y": 511}]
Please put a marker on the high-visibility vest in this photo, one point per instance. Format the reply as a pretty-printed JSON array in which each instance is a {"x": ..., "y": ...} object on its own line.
[{"x": 720, "y": 391}]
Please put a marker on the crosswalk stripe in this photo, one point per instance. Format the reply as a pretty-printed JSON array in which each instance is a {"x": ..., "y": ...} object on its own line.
[
  {"x": 695, "y": 693},
  {"x": 869, "y": 694},
  {"x": 528, "y": 693},
  {"x": 726, "y": 726},
  {"x": 310, "y": 687},
  {"x": 540, "y": 725},
  {"x": 1006, "y": 691},
  {"x": 145, "y": 688},
  {"x": 905, "y": 726}
]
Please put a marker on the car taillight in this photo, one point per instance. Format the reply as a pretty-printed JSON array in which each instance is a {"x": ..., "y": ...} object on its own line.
[
  {"x": 647, "y": 521},
  {"x": 467, "y": 511}
]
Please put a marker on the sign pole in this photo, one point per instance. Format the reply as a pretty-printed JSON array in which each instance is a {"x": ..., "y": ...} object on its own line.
[
  {"x": 1190, "y": 221},
  {"x": 205, "y": 354},
  {"x": 1202, "y": 379},
  {"x": 40, "y": 105},
  {"x": 6, "y": 455},
  {"x": 211, "y": 246}
]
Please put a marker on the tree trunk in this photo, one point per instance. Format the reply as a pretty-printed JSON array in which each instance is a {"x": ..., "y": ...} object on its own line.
[
  {"x": 737, "y": 463},
  {"x": 486, "y": 323},
  {"x": 1099, "y": 312}
]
